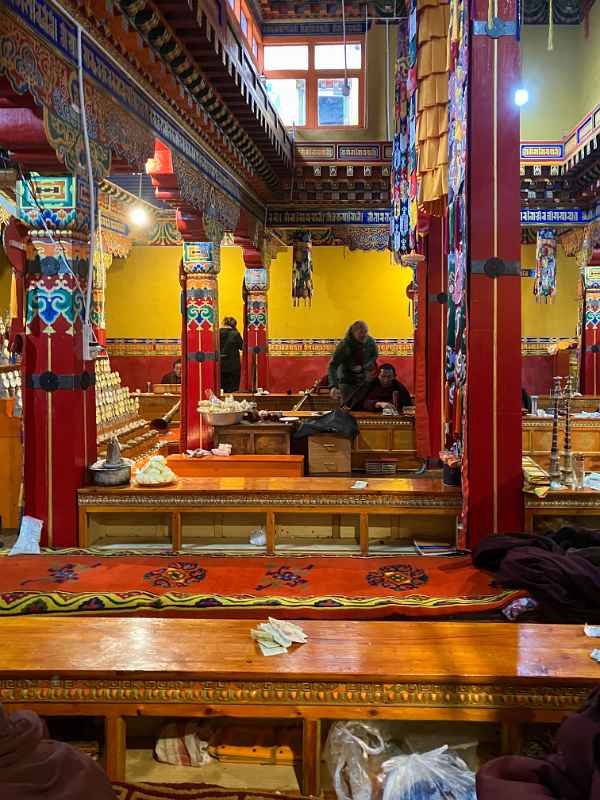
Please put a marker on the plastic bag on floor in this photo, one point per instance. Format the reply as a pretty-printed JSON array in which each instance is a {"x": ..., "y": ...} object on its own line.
[
  {"x": 184, "y": 743},
  {"x": 258, "y": 537},
  {"x": 353, "y": 753},
  {"x": 437, "y": 775}
]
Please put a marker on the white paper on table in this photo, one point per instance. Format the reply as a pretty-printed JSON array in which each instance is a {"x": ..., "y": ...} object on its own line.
[
  {"x": 28, "y": 541},
  {"x": 592, "y": 630}
]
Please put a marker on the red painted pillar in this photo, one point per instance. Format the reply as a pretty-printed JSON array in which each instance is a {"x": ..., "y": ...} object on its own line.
[
  {"x": 59, "y": 407},
  {"x": 492, "y": 475},
  {"x": 256, "y": 335},
  {"x": 200, "y": 338}
]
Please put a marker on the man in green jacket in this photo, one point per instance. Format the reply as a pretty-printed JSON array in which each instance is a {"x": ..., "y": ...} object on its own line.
[{"x": 353, "y": 362}]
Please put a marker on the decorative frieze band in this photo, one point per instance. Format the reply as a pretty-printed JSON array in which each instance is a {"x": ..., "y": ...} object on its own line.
[
  {"x": 204, "y": 499},
  {"x": 293, "y": 693}
]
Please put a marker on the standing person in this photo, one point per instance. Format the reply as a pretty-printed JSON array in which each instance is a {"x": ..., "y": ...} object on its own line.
[
  {"x": 231, "y": 344},
  {"x": 175, "y": 375},
  {"x": 353, "y": 362}
]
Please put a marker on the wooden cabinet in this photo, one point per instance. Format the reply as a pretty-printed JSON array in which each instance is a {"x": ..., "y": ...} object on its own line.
[
  {"x": 262, "y": 438},
  {"x": 385, "y": 437},
  {"x": 585, "y": 438},
  {"x": 328, "y": 453},
  {"x": 11, "y": 455}
]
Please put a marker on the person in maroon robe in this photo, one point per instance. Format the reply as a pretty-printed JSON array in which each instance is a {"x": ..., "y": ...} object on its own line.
[
  {"x": 383, "y": 391},
  {"x": 34, "y": 767}
]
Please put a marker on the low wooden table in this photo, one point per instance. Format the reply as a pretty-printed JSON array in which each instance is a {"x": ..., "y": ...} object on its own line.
[
  {"x": 378, "y": 436},
  {"x": 258, "y": 438},
  {"x": 561, "y": 503},
  {"x": 248, "y": 466},
  {"x": 425, "y": 496},
  {"x": 443, "y": 671}
]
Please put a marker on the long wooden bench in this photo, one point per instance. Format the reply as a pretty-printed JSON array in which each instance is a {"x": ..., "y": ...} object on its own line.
[
  {"x": 123, "y": 668},
  {"x": 272, "y": 496}
]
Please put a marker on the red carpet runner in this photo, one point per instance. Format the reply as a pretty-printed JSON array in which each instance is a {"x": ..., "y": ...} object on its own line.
[{"x": 325, "y": 587}]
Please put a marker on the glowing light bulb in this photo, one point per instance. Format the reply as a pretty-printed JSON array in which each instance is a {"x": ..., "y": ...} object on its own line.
[
  {"x": 139, "y": 216},
  {"x": 521, "y": 96}
]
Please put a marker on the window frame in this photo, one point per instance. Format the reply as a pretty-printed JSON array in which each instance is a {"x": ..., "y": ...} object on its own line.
[
  {"x": 234, "y": 10},
  {"x": 312, "y": 75}
]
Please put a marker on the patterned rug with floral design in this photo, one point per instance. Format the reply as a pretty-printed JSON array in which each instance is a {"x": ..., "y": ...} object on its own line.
[{"x": 84, "y": 582}]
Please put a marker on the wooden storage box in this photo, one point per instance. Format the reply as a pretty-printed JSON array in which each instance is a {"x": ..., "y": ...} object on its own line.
[{"x": 328, "y": 453}]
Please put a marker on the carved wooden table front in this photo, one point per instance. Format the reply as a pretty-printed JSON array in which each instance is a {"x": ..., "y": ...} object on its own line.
[
  {"x": 563, "y": 503},
  {"x": 424, "y": 496},
  {"x": 120, "y": 668}
]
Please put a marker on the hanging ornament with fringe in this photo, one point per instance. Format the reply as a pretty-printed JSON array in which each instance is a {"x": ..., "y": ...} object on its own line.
[{"x": 544, "y": 287}]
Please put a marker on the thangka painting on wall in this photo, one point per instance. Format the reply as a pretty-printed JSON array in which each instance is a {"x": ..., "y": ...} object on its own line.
[{"x": 544, "y": 286}]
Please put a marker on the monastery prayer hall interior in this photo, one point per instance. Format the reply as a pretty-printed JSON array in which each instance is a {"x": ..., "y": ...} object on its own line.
[{"x": 299, "y": 399}]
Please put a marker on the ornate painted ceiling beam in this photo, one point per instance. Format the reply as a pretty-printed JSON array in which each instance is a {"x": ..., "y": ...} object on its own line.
[
  {"x": 113, "y": 29},
  {"x": 263, "y": 142}
]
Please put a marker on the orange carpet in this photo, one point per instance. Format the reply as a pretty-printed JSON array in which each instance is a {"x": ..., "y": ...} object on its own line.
[{"x": 325, "y": 587}]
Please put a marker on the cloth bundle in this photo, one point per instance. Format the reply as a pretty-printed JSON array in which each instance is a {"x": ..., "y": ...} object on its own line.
[
  {"x": 572, "y": 773},
  {"x": 184, "y": 743},
  {"x": 560, "y": 570}
]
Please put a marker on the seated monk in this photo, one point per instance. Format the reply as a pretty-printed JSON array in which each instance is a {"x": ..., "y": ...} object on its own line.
[
  {"x": 33, "y": 767},
  {"x": 382, "y": 392}
]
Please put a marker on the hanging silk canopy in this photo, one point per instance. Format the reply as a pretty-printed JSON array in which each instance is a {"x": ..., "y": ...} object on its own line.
[
  {"x": 432, "y": 105},
  {"x": 544, "y": 286},
  {"x": 302, "y": 269}
]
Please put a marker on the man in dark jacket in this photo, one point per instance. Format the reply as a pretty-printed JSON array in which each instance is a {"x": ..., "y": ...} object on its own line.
[
  {"x": 231, "y": 344},
  {"x": 383, "y": 391},
  {"x": 175, "y": 375},
  {"x": 353, "y": 363}
]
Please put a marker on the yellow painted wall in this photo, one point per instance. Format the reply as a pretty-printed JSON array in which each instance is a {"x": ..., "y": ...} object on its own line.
[
  {"x": 375, "y": 122},
  {"x": 563, "y": 83},
  {"x": 556, "y": 319},
  {"x": 590, "y": 63},
  {"x": 5, "y": 280},
  {"x": 553, "y": 79},
  {"x": 142, "y": 297},
  {"x": 348, "y": 286}
]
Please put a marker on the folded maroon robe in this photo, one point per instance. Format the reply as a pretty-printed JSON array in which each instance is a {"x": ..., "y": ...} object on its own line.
[
  {"x": 33, "y": 767},
  {"x": 573, "y": 773}
]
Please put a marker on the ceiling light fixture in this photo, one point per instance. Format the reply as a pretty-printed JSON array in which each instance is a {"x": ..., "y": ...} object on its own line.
[{"x": 521, "y": 96}]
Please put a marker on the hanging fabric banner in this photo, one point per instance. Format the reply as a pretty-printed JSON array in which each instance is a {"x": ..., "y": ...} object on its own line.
[
  {"x": 400, "y": 188},
  {"x": 544, "y": 286},
  {"x": 404, "y": 189},
  {"x": 456, "y": 347},
  {"x": 302, "y": 269}
]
